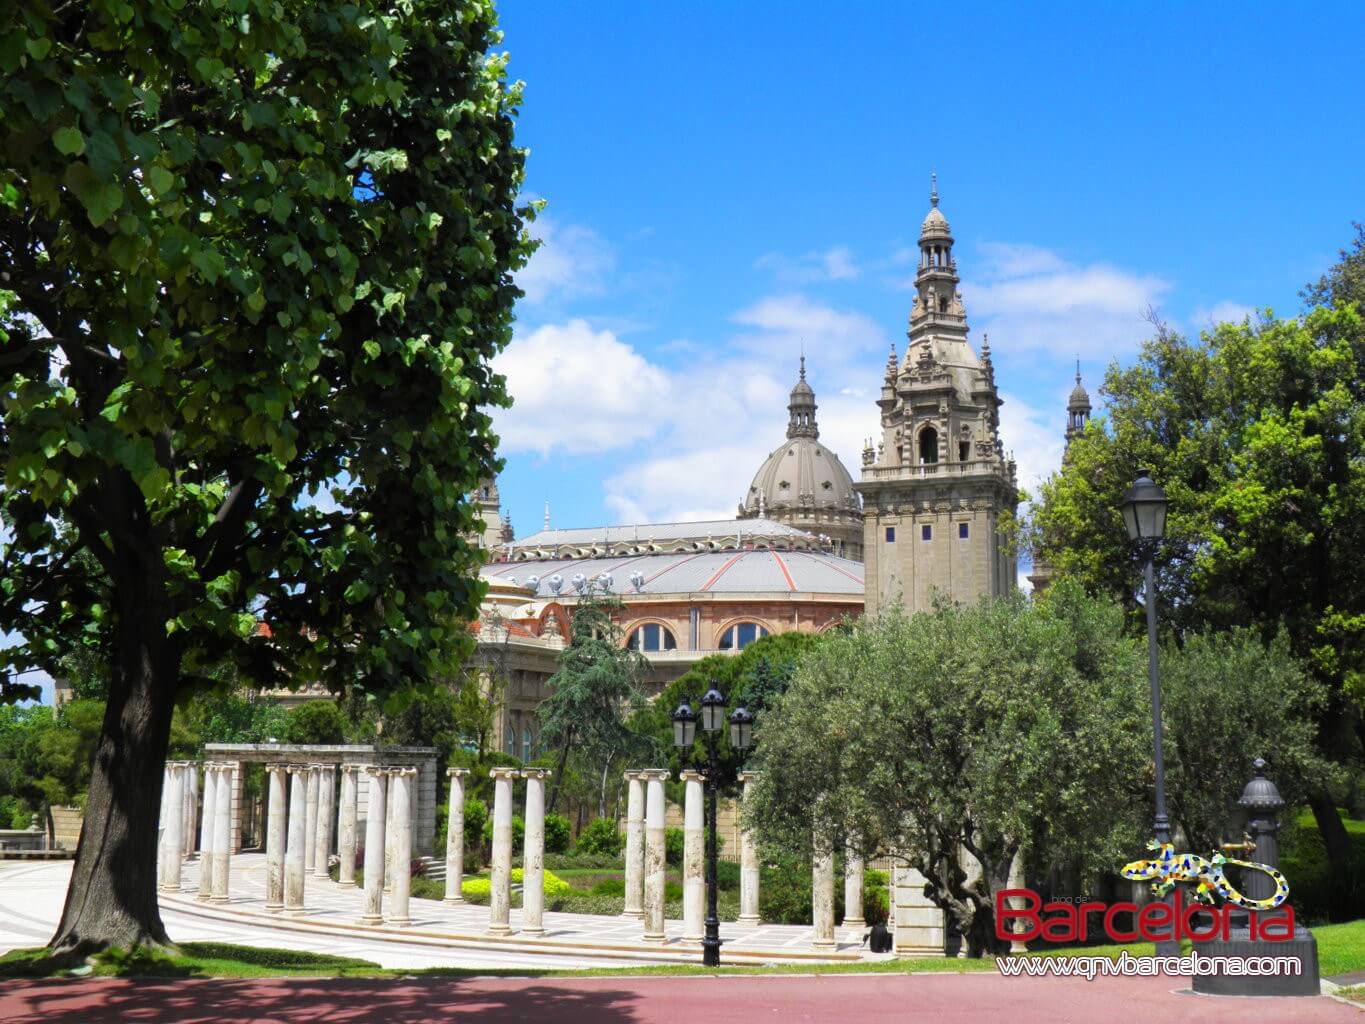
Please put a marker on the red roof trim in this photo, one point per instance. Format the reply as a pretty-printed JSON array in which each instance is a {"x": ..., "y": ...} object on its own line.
[
  {"x": 721, "y": 572},
  {"x": 791, "y": 583}
]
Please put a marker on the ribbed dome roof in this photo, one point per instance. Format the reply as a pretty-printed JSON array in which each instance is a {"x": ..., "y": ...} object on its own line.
[
  {"x": 934, "y": 222},
  {"x": 801, "y": 472},
  {"x": 1079, "y": 396}
]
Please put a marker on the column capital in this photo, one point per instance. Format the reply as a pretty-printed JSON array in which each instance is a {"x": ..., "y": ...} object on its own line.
[
  {"x": 690, "y": 775},
  {"x": 536, "y": 773},
  {"x": 456, "y": 773},
  {"x": 298, "y": 769},
  {"x": 654, "y": 774},
  {"x": 352, "y": 768},
  {"x": 631, "y": 774},
  {"x": 503, "y": 772},
  {"x": 747, "y": 777}
]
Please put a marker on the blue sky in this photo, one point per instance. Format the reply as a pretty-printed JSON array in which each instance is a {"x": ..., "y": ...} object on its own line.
[{"x": 730, "y": 181}]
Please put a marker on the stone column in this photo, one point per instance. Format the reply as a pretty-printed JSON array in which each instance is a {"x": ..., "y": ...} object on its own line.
[
  {"x": 1018, "y": 881},
  {"x": 161, "y": 824},
  {"x": 694, "y": 857},
  {"x": 748, "y": 862},
  {"x": 455, "y": 837},
  {"x": 389, "y": 826},
  {"x": 310, "y": 839},
  {"x": 853, "y": 889},
  {"x": 375, "y": 814},
  {"x": 654, "y": 854},
  {"x": 400, "y": 799},
  {"x": 635, "y": 846},
  {"x": 191, "y": 806},
  {"x": 172, "y": 838},
  {"x": 822, "y": 895},
  {"x": 533, "y": 853},
  {"x": 500, "y": 895},
  {"x": 222, "y": 834},
  {"x": 349, "y": 815},
  {"x": 322, "y": 845},
  {"x": 294, "y": 871},
  {"x": 276, "y": 817},
  {"x": 206, "y": 850}
]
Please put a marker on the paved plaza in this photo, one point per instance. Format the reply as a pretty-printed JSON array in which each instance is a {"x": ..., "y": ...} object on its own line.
[{"x": 31, "y": 898}]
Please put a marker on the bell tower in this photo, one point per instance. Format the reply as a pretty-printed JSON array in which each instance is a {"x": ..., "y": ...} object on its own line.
[{"x": 939, "y": 492}]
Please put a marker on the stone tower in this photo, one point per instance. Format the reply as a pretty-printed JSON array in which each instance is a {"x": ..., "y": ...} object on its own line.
[
  {"x": 803, "y": 484},
  {"x": 1077, "y": 416},
  {"x": 939, "y": 492},
  {"x": 497, "y": 528}
]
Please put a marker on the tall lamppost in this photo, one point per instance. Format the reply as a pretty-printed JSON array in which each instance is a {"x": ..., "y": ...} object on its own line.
[
  {"x": 741, "y": 737},
  {"x": 1144, "y": 514}
]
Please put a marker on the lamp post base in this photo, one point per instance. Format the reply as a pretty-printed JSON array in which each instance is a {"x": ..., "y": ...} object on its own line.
[{"x": 1240, "y": 945}]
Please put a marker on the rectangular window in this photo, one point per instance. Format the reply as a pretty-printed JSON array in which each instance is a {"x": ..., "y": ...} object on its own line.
[
  {"x": 891, "y": 535},
  {"x": 962, "y": 531},
  {"x": 926, "y": 532}
]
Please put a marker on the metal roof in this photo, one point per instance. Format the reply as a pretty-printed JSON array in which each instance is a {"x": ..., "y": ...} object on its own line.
[
  {"x": 707, "y": 572},
  {"x": 718, "y": 529}
]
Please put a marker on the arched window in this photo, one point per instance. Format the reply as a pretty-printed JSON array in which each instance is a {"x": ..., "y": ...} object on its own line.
[
  {"x": 928, "y": 445},
  {"x": 652, "y": 637},
  {"x": 741, "y": 635}
]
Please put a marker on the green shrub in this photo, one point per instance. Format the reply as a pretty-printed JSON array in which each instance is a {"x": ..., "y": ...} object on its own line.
[
  {"x": 601, "y": 838},
  {"x": 556, "y": 861},
  {"x": 876, "y": 897},
  {"x": 784, "y": 892},
  {"x": 475, "y": 818},
  {"x": 476, "y": 890},
  {"x": 557, "y": 833},
  {"x": 673, "y": 846},
  {"x": 610, "y": 887},
  {"x": 518, "y": 833},
  {"x": 727, "y": 875}
]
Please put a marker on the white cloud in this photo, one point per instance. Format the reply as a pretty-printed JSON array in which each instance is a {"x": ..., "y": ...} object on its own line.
[
  {"x": 572, "y": 261},
  {"x": 1034, "y": 436},
  {"x": 577, "y": 390},
  {"x": 833, "y": 264},
  {"x": 1031, "y": 298},
  {"x": 1226, "y": 311},
  {"x": 787, "y": 324}
]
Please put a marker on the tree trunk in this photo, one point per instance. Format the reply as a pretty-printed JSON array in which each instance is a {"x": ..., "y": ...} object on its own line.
[
  {"x": 112, "y": 899},
  {"x": 1337, "y": 844},
  {"x": 557, "y": 778}
]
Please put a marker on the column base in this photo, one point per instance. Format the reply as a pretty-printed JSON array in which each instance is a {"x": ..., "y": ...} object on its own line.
[
  {"x": 202, "y": 897},
  {"x": 322, "y": 877},
  {"x": 824, "y": 947},
  {"x": 453, "y": 901},
  {"x": 634, "y": 915},
  {"x": 535, "y": 932},
  {"x": 274, "y": 908},
  {"x": 219, "y": 899},
  {"x": 657, "y": 940},
  {"x": 1018, "y": 948},
  {"x": 372, "y": 922},
  {"x": 750, "y": 920},
  {"x": 498, "y": 930},
  {"x": 853, "y": 922},
  {"x": 295, "y": 911},
  {"x": 399, "y": 922},
  {"x": 347, "y": 884}
]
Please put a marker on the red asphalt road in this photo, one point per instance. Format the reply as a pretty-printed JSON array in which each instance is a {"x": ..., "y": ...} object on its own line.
[{"x": 723, "y": 1000}]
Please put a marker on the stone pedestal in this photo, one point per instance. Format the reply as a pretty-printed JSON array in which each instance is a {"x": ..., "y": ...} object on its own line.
[
  {"x": 635, "y": 846},
  {"x": 222, "y": 835},
  {"x": 277, "y": 815},
  {"x": 348, "y": 815},
  {"x": 172, "y": 835},
  {"x": 533, "y": 853},
  {"x": 191, "y": 807},
  {"x": 694, "y": 857},
  {"x": 1240, "y": 946},
  {"x": 654, "y": 854},
  {"x": 919, "y": 924},
  {"x": 822, "y": 896},
  {"x": 311, "y": 821},
  {"x": 206, "y": 850},
  {"x": 294, "y": 870},
  {"x": 322, "y": 846},
  {"x": 748, "y": 860},
  {"x": 853, "y": 889},
  {"x": 400, "y": 797},
  {"x": 500, "y": 894},
  {"x": 455, "y": 837},
  {"x": 376, "y": 815}
]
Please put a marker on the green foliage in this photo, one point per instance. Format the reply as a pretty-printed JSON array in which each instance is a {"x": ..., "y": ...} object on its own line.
[
  {"x": 477, "y": 890},
  {"x": 558, "y": 833},
  {"x": 876, "y": 897},
  {"x": 601, "y": 837},
  {"x": 784, "y": 890},
  {"x": 475, "y": 822},
  {"x": 1345, "y": 281},
  {"x": 596, "y": 686},
  {"x": 518, "y": 833},
  {"x": 674, "y": 843},
  {"x": 315, "y": 722},
  {"x": 1317, "y": 895}
]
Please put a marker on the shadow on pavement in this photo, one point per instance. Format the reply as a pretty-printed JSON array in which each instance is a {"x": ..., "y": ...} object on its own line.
[{"x": 331, "y": 1000}]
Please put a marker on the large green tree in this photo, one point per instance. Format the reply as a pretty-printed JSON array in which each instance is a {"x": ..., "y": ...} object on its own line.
[
  {"x": 256, "y": 260},
  {"x": 1257, "y": 433}
]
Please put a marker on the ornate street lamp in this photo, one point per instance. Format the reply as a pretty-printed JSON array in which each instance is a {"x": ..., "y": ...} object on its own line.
[
  {"x": 741, "y": 738},
  {"x": 1144, "y": 514}
]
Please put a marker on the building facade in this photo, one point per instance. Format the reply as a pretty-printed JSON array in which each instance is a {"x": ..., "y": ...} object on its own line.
[{"x": 939, "y": 492}]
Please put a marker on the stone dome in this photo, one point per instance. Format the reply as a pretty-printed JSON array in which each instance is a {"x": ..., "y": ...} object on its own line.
[{"x": 801, "y": 472}]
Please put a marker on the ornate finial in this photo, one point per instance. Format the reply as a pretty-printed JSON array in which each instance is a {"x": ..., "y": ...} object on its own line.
[
  {"x": 803, "y": 360},
  {"x": 1078, "y": 369},
  {"x": 986, "y": 347},
  {"x": 933, "y": 188},
  {"x": 547, "y": 513}
]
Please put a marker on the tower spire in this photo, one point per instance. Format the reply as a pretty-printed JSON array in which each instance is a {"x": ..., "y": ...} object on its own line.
[{"x": 933, "y": 188}]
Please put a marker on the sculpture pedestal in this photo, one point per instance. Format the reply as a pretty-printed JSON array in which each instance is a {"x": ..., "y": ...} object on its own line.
[{"x": 1240, "y": 946}]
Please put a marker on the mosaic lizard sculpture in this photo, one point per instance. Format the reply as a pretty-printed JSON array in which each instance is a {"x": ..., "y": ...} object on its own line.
[{"x": 1168, "y": 868}]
